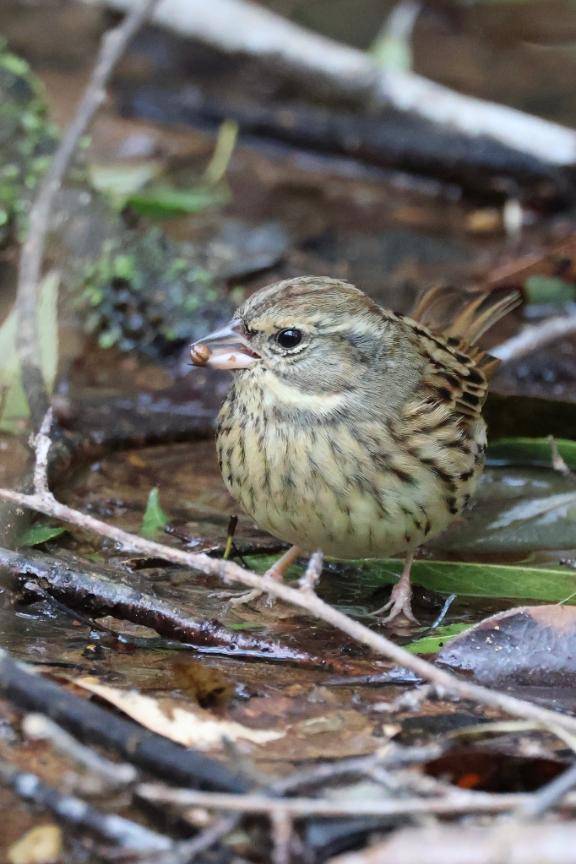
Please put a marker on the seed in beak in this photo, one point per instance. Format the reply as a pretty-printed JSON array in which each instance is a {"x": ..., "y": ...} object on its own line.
[
  {"x": 227, "y": 348},
  {"x": 200, "y": 354}
]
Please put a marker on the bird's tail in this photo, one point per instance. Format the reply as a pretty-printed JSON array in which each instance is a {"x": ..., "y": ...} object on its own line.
[{"x": 462, "y": 318}]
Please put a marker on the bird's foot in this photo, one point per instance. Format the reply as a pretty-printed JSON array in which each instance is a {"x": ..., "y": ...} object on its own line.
[
  {"x": 399, "y": 605},
  {"x": 250, "y": 596},
  {"x": 275, "y": 572}
]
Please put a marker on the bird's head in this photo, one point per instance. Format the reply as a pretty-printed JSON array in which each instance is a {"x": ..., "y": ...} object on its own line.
[{"x": 313, "y": 335}]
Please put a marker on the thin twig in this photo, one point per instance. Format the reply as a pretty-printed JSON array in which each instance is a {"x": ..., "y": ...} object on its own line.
[
  {"x": 77, "y": 814},
  {"x": 533, "y": 338},
  {"x": 42, "y": 444},
  {"x": 548, "y": 796},
  {"x": 282, "y": 826},
  {"x": 311, "y": 576},
  {"x": 30, "y": 269},
  {"x": 396, "y": 756},
  {"x": 228, "y": 571},
  {"x": 458, "y": 802},
  {"x": 188, "y": 851},
  {"x": 558, "y": 461},
  {"x": 443, "y": 612},
  {"x": 38, "y": 727}
]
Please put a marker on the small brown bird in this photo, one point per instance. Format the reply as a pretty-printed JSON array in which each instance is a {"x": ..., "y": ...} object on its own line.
[{"x": 350, "y": 428}]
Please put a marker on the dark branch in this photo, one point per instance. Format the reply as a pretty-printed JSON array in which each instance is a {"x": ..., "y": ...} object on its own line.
[
  {"x": 94, "y": 725},
  {"x": 92, "y": 592}
]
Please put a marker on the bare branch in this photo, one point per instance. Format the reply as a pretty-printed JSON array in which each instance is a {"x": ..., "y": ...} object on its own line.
[
  {"x": 548, "y": 796},
  {"x": 535, "y": 337},
  {"x": 187, "y": 850},
  {"x": 458, "y": 802},
  {"x": 282, "y": 836},
  {"x": 31, "y": 257},
  {"x": 42, "y": 443},
  {"x": 240, "y": 26},
  {"x": 38, "y": 727}
]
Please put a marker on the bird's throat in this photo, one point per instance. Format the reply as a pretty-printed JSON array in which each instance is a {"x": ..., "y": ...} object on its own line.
[{"x": 280, "y": 395}]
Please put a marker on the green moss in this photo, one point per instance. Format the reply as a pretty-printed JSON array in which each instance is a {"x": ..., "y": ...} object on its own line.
[
  {"x": 27, "y": 138},
  {"x": 143, "y": 294},
  {"x": 139, "y": 290}
]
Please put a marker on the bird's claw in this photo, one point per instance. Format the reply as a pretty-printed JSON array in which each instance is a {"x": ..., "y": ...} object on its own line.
[
  {"x": 275, "y": 572},
  {"x": 399, "y": 605},
  {"x": 250, "y": 596}
]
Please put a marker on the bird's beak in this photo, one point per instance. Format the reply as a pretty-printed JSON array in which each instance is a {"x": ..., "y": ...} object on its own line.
[{"x": 227, "y": 348}]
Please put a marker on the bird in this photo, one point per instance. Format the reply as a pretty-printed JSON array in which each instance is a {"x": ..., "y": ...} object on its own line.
[{"x": 349, "y": 428}]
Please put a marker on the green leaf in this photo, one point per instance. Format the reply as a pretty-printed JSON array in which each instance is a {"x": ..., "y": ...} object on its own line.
[
  {"x": 530, "y": 451},
  {"x": 517, "y": 581},
  {"x": 220, "y": 160},
  {"x": 392, "y": 53},
  {"x": 467, "y": 579},
  {"x": 435, "y": 641},
  {"x": 40, "y": 533},
  {"x": 548, "y": 289},
  {"x": 14, "y": 402},
  {"x": 166, "y": 201},
  {"x": 155, "y": 519},
  {"x": 392, "y": 47},
  {"x": 121, "y": 180}
]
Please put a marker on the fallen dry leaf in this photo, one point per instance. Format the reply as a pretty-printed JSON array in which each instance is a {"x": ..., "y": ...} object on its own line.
[
  {"x": 191, "y": 726},
  {"x": 335, "y": 735},
  {"x": 40, "y": 845},
  {"x": 528, "y": 645}
]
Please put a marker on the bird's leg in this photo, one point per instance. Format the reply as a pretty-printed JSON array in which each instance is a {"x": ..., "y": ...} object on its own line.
[
  {"x": 276, "y": 572},
  {"x": 400, "y": 602}
]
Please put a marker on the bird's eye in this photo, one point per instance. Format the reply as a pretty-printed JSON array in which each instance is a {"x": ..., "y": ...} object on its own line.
[{"x": 289, "y": 338}]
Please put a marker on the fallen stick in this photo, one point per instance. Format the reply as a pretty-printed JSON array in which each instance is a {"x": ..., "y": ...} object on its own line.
[
  {"x": 451, "y": 805},
  {"x": 95, "y": 725},
  {"x": 535, "y": 337},
  {"x": 95, "y": 594},
  {"x": 388, "y": 141},
  {"x": 243, "y": 27},
  {"x": 83, "y": 817}
]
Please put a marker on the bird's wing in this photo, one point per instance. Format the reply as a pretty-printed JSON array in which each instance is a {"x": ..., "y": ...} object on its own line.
[{"x": 457, "y": 370}]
